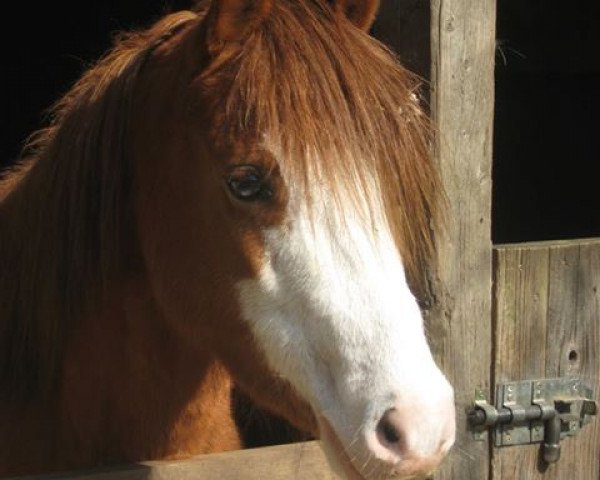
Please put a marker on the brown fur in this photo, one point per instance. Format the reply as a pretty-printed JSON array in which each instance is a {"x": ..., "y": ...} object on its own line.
[
  {"x": 235, "y": 18},
  {"x": 120, "y": 250},
  {"x": 360, "y": 12}
]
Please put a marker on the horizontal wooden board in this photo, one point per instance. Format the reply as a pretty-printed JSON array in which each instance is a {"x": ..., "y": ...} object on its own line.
[{"x": 300, "y": 461}]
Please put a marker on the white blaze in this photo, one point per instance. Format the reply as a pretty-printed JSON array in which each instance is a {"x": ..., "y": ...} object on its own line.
[{"x": 333, "y": 313}]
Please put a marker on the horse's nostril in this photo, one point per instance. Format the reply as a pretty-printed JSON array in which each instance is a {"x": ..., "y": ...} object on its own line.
[
  {"x": 388, "y": 426},
  {"x": 390, "y": 434}
]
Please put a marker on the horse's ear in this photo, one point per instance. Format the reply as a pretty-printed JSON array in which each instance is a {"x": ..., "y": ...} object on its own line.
[
  {"x": 360, "y": 12},
  {"x": 233, "y": 20}
]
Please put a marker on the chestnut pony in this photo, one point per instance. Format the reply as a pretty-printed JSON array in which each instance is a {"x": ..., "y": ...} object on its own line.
[{"x": 236, "y": 195}]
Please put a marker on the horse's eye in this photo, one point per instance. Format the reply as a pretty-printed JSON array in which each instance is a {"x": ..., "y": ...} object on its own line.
[{"x": 247, "y": 183}]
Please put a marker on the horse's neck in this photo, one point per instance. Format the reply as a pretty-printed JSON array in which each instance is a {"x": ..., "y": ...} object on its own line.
[
  {"x": 131, "y": 391},
  {"x": 128, "y": 389}
]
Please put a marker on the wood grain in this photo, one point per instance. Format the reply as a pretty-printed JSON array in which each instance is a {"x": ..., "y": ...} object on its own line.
[
  {"x": 301, "y": 461},
  {"x": 462, "y": 102},
  {"x": 547, "y": 324}
]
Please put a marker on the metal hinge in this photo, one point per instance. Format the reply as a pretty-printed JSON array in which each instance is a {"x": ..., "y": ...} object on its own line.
[{"x": 534, "y": 411}]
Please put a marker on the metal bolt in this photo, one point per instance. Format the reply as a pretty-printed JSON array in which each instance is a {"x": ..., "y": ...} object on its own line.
[
  {"x": 573, "y": 425},
  {"x": 508, "y": 393},
  {"x": 538, "y": 389}
]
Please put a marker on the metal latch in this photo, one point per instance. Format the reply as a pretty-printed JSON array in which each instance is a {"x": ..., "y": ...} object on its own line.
[{"x": 534, "y": 411}]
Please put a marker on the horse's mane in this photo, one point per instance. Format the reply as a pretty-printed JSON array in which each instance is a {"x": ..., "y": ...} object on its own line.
[
  {"x": 64, "y": 214},
  {"x": 303, "y": 76}
]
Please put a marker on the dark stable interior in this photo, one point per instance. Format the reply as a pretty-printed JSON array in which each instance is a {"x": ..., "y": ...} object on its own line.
[{"x": 546, "y": 144}]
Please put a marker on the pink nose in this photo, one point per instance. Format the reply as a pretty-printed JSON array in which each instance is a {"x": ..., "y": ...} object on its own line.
[{"x": 413, "y": 440}]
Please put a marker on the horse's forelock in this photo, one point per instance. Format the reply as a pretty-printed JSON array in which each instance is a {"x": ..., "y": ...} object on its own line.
[{"x": 337, "y": 103}]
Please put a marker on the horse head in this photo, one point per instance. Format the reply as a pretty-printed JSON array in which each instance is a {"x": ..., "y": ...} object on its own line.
[{"x": 284, "y": 194}]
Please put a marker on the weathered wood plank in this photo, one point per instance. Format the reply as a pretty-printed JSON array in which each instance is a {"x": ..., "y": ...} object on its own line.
[
  {"x": 547, "y": 324},
  {"x": 462, "y": 100},
  {"x": 301, "y": 461},
  {"x": 522, "y": 286}
]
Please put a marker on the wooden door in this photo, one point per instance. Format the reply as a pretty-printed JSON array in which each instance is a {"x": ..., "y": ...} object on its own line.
[{"x": 547, "y": 325}]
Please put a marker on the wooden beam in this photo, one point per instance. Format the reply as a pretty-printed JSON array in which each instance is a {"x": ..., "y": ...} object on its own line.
[
  {"x": 462, "y": 103},
  {"x": 300, "y": 461}
]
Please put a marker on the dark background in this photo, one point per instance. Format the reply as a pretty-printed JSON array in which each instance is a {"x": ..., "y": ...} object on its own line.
[
  {"x": 547, "y": 138},
  {"x": 548, "y": 79},
  {"x": 46, "y": 46}
]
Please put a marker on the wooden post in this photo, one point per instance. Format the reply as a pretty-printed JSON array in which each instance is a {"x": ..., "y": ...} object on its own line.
[{"x": 462, "y": 101}]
